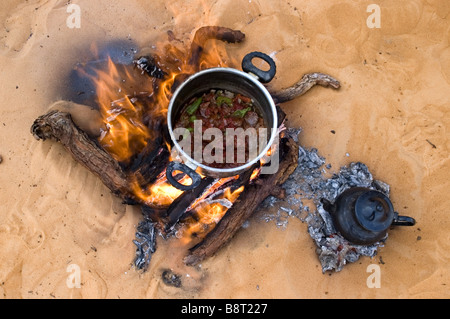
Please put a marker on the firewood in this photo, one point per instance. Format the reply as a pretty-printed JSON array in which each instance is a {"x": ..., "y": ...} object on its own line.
[
  {"x": 304, "y": 85},
  {"x": 182, "y": 204},
  {"x": 245, "y": 205},
  {"x": 88, "y": 119},
  {"x": 184, "y": 201},
  {"x": 59, "y": 126},
  {"x": 211, "y": 32},
  {"x": 147, "y": 165}
]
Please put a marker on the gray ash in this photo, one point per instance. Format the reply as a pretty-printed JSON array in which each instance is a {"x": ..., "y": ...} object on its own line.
[
  {"x": 308, "y": 184},
  {"x": 145, "y": 244}
]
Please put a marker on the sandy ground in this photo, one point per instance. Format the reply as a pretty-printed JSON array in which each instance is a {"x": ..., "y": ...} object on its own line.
[{"x": 392, "y": 113}]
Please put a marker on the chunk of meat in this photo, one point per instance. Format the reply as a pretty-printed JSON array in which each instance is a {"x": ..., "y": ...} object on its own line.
[{"x": 251, "y": 118}]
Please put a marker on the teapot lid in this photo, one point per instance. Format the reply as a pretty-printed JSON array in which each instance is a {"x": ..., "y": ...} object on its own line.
[{"x": 374, "y": 211}]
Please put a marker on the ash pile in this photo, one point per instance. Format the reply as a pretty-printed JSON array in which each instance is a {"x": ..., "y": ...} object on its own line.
[{"x": 305, "y": 189}]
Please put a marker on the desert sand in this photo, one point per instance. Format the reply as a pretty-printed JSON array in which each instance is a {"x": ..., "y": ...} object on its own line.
[{"x": 392, "y": 113}]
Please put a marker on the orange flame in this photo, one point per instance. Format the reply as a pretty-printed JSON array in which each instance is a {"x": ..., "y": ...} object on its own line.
[
  {"x": 176, "y": 64},
  {"x": 255, "y": 174},
  {"x": 161, "y": 193},
  {"x": 122, "y": 110},
  {"x": 126, "y": 97},
  {"x": 206, "y": 217}
]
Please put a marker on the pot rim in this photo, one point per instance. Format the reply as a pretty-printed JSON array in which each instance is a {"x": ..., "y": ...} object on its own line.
[{"x": 188, "y": 160}]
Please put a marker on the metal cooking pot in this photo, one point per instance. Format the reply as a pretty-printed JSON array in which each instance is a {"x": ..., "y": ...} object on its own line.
[{"x": 247, "y": 83}]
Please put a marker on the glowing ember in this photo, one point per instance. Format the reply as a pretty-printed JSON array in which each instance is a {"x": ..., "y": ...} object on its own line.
[
  {"x": 255, "y": 174},
  {"x": 161, "y": 193},
  {"x": 207, "y": 215},
  {"x": 212, "y": 190}
]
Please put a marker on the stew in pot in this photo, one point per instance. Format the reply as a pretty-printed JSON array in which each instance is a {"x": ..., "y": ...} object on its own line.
[{"x": 223, "y": 110}]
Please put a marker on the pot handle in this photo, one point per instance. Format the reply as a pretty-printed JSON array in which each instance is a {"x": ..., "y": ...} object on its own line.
[
  {"x": 177, "y": 166},
  {"x": 249, "y": 67},
  {"x": 403, "y": 220}
]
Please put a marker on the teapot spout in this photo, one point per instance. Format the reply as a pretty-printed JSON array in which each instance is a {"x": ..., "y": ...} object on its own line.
[{"x": 403, "y": 220}]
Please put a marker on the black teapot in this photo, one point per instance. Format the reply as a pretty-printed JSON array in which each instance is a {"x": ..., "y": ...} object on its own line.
[{"x": 363, "y": 215}]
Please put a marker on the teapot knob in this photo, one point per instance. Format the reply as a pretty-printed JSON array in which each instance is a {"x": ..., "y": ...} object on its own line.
[{"x": 374, "y": 211}]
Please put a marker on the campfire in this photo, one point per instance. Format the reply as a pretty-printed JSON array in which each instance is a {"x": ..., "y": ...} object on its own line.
[{"x": 131, "y": 150}]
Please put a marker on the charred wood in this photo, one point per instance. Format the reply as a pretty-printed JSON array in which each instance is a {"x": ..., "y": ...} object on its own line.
[
  {"x": 153, "y": 159},
  {"x": 147, "y": 65},
  {"x": 304, "y": 85},
  {"x": 246, "y": 204},
  {"x": 211, "y": 32},
  {"x": 59, "y": 126},
  {"x": 180, "y": 205}
]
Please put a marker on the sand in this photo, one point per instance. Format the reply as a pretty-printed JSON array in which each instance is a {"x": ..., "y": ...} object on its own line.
[{"x": 392, "y": 113}]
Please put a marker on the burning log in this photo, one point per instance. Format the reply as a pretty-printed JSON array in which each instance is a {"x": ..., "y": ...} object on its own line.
[
  {"x": 153, "y": 159},
  {"x": 184, "y": 201},
  {"x": 246, "y": 204},
  {"x": 149, "y": 164},
  {"x": 211, "y": 32},
  {"x": 187, "y": 200},
  {"x": 59, "y": 126}
]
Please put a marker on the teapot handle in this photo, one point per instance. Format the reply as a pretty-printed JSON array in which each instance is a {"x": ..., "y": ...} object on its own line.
[{"x": 403, "y": 220}]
